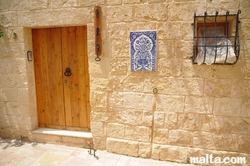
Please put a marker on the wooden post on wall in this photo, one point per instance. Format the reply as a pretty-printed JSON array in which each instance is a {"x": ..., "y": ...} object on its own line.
[{"x": 98, "y": 28}]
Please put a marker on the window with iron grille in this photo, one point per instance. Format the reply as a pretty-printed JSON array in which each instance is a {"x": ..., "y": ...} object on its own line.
[{"x": 216, "y": 39}]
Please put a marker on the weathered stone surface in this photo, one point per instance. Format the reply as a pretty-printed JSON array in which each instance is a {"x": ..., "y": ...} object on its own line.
[
  {"x": 244, "y": 143},
  {"x": 191, "y": 122},
  {"x": 170, "y": 103},
  {"x": 153, "y": 12},
  {"x": 119, "y": 14},
  {"x": 217, "y": 87},
  {"x": 116, "y": 99},
  {"x": 98, "y": 99},
  {"x": 159, "y": 119},
  {"x": 169, "y": 67},
  {"x": 8, "y": 94},
  {"x": 226, "y": 142},
  {"x": 213, "y": 124},
  {"x": 147, "y": 119},
  {"x": 103, "y": 116},
  {"x": 245, "y": 108},
  {"x": 237, "y": 125},
  {"x": 138, "y": 133},
  {"x": 160, "y": 136},
  {"x": 125, "y": 147},
  {"x": 180, "y": 138},
  {"x": 171, "y": 120},
  {"x": 155, "y": 151},
  {"x": 115, "y": 130},
  {"x": 138, "y": 100},
  {"x": 130, "y": 117},
  {"x": 99, "y": 142},
  {"x": 202, "y": 105},
  {"x": 203, "y": 140},
  {"x": 144, "y": 150},
  {"x": 119, "y": 65},
  {"x": 227, "y": 106},
  {"x": 97, "y": 129},
  {"x": 99, "y": 83},
  {"x": 173, "y": 153}
]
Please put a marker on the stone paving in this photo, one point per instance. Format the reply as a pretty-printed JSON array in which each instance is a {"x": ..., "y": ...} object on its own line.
[{"x": 14, "y": 152}]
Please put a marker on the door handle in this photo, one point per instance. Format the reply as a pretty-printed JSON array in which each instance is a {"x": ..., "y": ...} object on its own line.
[{"x": 67, "y": 72}]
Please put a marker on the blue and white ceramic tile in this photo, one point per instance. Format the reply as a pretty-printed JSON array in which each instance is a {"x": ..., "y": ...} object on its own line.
[{"x": 143, "y": 50}]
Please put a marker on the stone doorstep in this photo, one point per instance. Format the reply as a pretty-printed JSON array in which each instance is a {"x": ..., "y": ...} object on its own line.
[{"x": 64, "y": 137}]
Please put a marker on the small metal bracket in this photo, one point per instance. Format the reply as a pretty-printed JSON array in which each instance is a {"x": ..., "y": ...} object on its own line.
[{"x": 91, "y": 147}]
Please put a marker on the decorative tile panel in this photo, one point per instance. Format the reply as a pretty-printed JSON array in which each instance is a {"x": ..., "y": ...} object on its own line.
[{"x": 143, "y": 50}]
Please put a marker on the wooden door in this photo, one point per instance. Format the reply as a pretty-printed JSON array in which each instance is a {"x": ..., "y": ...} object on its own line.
[{"x": 62, "y": 100}]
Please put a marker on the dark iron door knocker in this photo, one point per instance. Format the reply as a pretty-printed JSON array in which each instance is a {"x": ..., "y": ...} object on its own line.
[{"x": 67, "y": 72}]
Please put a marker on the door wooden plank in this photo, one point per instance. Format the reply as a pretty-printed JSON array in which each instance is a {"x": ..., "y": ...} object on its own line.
[
  {"x": 66, "y": 86},
  {"x": 81, "y": 37},
  {"x": 38, "y": 76}
]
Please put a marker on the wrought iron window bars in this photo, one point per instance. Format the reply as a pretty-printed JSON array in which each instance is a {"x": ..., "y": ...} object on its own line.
[{"x": 214, "y": 42}]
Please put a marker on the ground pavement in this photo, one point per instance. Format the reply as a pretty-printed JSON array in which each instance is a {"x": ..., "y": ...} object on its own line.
[{"x": 15, "y": 153}]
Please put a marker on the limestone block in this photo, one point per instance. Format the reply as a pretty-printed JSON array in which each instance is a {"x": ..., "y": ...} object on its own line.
[
  {"x": 41, "y": 4},
  {"x": 65, "y": 3},
  {"x": 244, "y": 143},
  {"x": 144, "y": 150},
  {"x": 115, "y": 130},
  {"x": 245, "y": 107},
  {"x": 202, "y": 105},
  {"x": 173, "y": 153},
  {"x": 130, "y": 117},
  {"x": 240, "y": 88},
  {"x": 154, "y": 12},
  {"x": 200, "y": 71},
  {"x": 98, "y": 99},
  {"x": 3, "y": 110},
  {"x": 237, "y": 125},
  {"x": 138, "y": 133},
  {"x": 12, "y": 108},
  {"x": 97, "y": 129},
  {"x": 183, "y": 86},
  {"x": 138, "y": 100},
  {"x": 15, "y": 80},
  {"x": 171, "y": 120},
  {"x": 119, "y": 48},
  {"x": 155, "y": 151},
  {"x": 9, "y": 94},
  {"x": 23, "y": 95},
  {"x": 176, "y": 10},
  {"x": 226, "y": 142},
  {"x": 183, "y": 49},
  {"x": 136, "y": 26},
  {"x": 91, "y": 2},
  {"x": 102, "y": 116},
  {"x": 114, "y": 2},
  {"x": 117, "y": 31},
  {"x": 147, "y": 119},
  {"x": 134, "y": 1},
  {"x": 217, "y": 87},
  {"x": 8, "y": 19},
  {"x": 125, "y": 147},
  {"x": 222, "y": 6},
  {"x": 244, "y": 7},
  {"x": 169, "y": 31},
  {"x": 4, "y": 121},
  {"x": 133, "y": 83},
  {"x": 204, "y": 140},
  {"x": 244, "y": 33},
  {"x": 169, "y": 67},
  {"x": 100, "y": 143},
  {"x": 166, "y": 48},
  {"x": 170, "y": 103},
  {"x": 20, "y": 65},
  {"x": 115, "y": 99},
  {"x": 99, "y": 83},
  {"x": 191, "y": 122},
  {"x": 160, "y": 136},
  {"x": 159, "y": 119},
  {"x": 237, "y": 71},
  {"x": 227, "y": 106},
  {"x": 119, "y": 14},
  {"x": 119, "y": 65},
  {"x": 59, "y": 17},
  {"x": 180, "y": 138},
  {"x": 213, "y": 124}
]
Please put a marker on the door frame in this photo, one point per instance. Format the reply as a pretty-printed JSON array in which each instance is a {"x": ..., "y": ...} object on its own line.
[{"x": 31, "y": 86}]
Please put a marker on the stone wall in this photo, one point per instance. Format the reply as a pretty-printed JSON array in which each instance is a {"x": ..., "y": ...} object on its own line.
[{"x": 198, "y": 109}]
